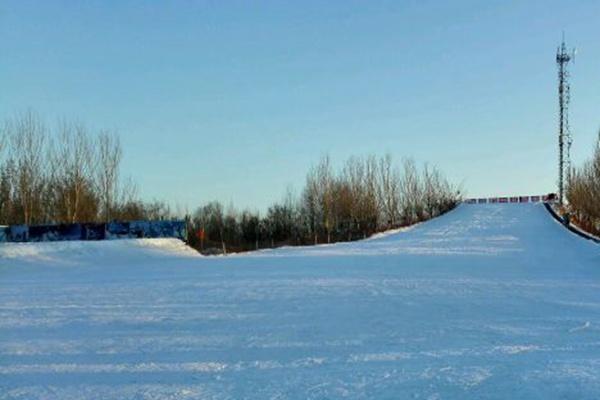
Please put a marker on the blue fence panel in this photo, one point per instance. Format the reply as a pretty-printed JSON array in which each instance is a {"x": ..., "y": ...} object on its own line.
[
  {"x": 94, "y": 231},
  {"x": 91, "y": 231},
  {"x": 117, "y": 230},
  {"x": 168, "y": 229},
  {"x": 49, "y": 233},
  {"x": 19, "y": 233},
  {"x": 140, "y": 229}
]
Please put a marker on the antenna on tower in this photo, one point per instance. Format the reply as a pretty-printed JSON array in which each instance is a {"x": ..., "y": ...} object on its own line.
[{"x": 564, "y": 133}]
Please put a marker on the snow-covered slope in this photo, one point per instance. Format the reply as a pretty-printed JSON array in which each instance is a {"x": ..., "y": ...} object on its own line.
[
  {"x": 487, "y": 301},
  {"x": 468, "y": 230},
  {"x": 122, "y": 251}
]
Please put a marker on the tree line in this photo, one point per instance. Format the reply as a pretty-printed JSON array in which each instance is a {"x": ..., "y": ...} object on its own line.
[
  {"x": 367, "y": 195},
  {"x": 65, "y": 174},
  {"x": 583, "y": 193}
]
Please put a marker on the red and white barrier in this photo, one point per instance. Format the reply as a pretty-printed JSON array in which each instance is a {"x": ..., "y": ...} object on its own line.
[{"x": 511, "y": 199}]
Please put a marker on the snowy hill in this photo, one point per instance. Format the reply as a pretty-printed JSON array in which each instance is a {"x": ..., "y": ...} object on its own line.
[
  {"x": 489, "y": 229},
  {"x": 487, "y": 301},
  {"x": 123, "y": 251}
]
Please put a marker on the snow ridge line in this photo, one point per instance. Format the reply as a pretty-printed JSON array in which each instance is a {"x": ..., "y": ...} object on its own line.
[{"x": 570, "y": 227}]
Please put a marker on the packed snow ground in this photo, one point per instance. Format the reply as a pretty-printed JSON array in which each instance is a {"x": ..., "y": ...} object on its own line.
[{"x": 487, "y": 301}]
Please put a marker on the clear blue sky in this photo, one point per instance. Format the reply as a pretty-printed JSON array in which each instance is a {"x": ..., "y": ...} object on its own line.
[{"x": 234, "y": 101}]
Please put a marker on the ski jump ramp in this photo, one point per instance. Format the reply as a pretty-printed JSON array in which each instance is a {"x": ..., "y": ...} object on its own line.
[{"x": 489, "y": 301}]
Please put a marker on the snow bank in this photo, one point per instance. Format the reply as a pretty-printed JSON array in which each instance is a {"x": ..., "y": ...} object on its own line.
[{"x": 93, "y": 252}]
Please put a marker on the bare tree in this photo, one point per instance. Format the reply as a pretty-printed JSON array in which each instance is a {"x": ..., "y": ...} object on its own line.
[
  {"x": 311, "y": 204},
  {"x": 583, "y": 193},
  {"x": 389, "y": 191},
  {"x": 109, "y": 158},
  {"x": 73, "y": 171},
  {"x": 412, "y": 204},
  {"x": 370, "y": 205},
  {"x": 4, "y": 137},
  {"x": 27, "y": 136},
  {"x": 6, "y": 179},
  {"x": 210, "y": 218},
  {"x": 353, "y": 174},
  {"x": 326, "y": 195}
]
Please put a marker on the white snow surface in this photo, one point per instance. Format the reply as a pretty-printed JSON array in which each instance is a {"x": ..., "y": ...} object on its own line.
[{"x": 487, "y": 302}]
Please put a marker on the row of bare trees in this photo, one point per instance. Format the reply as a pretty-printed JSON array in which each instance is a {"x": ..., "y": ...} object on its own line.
[
  {"x": 67, "y": 174},
  {"x": 364, "y": 196},
  {"x": 371, "y": 194},
  {"x": 64, "y": 175},
  {"x": 583, "y": 193}
]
